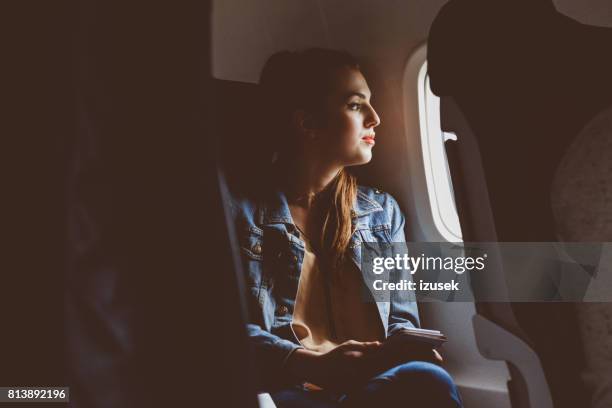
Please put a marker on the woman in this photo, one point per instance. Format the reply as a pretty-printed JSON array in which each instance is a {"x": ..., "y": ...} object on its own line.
[{"x": 315, "y": 338}]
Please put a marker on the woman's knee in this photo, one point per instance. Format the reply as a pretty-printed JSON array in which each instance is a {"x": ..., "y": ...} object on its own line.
[
  {"x": 424, "y": 372},
  {"x": 426, "y": 383}
]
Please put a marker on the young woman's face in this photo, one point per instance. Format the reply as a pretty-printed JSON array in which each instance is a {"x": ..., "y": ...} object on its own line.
[{"x": 347, "y": 135}]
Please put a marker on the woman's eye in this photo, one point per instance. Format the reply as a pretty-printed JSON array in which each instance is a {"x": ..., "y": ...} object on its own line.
[{"x": 354, "y": 106}]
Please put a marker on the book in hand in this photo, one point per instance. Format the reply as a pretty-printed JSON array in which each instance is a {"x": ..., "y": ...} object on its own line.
[
  {"x": 406, "y": 345},
  {"x": 413, "y": 335}
]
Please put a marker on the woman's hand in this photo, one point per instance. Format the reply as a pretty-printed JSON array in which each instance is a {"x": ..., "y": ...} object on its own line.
[
  {"x": 412, "y": 352},
  {"x": 339, "y": 368},
  {"x": 347, "y": 364},
  {"x": 401, "y": 348}
]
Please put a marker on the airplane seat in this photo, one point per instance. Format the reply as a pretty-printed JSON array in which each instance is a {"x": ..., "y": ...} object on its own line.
[
  {"x": 580, "y": 198},
  {"x": 498, "y": 333},
  {"x": 243, "y": 148},
  {"x": 522, "y": 140}
]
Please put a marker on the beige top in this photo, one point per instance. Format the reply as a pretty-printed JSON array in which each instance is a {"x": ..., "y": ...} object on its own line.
[{"x": 346, "y": 309}]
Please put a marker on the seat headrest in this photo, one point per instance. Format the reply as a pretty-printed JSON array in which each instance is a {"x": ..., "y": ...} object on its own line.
[{"x": 240, "y": 132}]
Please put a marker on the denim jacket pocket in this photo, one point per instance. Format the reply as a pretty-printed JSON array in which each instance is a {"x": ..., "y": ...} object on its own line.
[
  {"x": 252, "y": 254},
  {"x": 377, "y": 233}
]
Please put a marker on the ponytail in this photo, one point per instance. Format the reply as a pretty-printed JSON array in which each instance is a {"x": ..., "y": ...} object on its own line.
[{"x": 337, "y": 227}]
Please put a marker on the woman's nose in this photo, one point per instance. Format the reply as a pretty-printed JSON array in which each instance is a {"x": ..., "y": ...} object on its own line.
[{"x": 373, "y": 119}]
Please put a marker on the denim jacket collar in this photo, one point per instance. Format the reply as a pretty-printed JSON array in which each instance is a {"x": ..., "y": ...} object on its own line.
[
  {"x": 364, "y": 205},
  {"x": 276, "y": 209}
]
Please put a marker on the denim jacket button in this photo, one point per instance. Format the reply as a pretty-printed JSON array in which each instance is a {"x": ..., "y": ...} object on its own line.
[
  {"x": 282, "y": 310},
  {"x": 295, "y": 258},
  {"x": 256, "y": 249}
]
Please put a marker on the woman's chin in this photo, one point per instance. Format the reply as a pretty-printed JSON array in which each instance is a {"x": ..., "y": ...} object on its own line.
[
  {"x": 367, "y": 155},
  {"x": 363, "y": 158}
]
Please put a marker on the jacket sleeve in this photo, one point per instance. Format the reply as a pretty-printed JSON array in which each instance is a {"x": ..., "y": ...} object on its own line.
[
  {"x": 269, "y": 352},
  {"x": 403, "y": 306}
]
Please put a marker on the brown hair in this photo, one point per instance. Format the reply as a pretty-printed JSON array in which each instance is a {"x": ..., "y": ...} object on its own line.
[{"x": 302, "y": 80}]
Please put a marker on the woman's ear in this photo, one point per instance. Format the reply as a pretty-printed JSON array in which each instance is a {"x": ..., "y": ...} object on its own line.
[{"x": 305, "y": 123}]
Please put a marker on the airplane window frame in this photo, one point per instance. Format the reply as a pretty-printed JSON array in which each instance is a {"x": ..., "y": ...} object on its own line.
[
  {"x": 438, "y": 179},
  {"x": 426, "y": 191}
]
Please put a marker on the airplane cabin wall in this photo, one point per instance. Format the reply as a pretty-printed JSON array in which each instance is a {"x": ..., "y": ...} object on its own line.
[
  {"x": 592, "y": 12},
  {"x": 246, "y": 33}
]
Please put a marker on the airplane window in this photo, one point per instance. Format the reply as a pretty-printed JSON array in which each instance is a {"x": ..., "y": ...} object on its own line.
[{"x": 437, "y": 173}]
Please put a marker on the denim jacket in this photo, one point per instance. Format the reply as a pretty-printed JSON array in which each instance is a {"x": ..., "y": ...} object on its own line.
[{"x": 272, "y": 255}]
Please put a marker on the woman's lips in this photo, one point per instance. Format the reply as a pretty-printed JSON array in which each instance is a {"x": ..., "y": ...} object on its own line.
[{"x": 368, "y": 140}]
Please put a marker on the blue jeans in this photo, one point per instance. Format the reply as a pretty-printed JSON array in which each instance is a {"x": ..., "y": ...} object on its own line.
[{"x": 415, "y": 384}]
